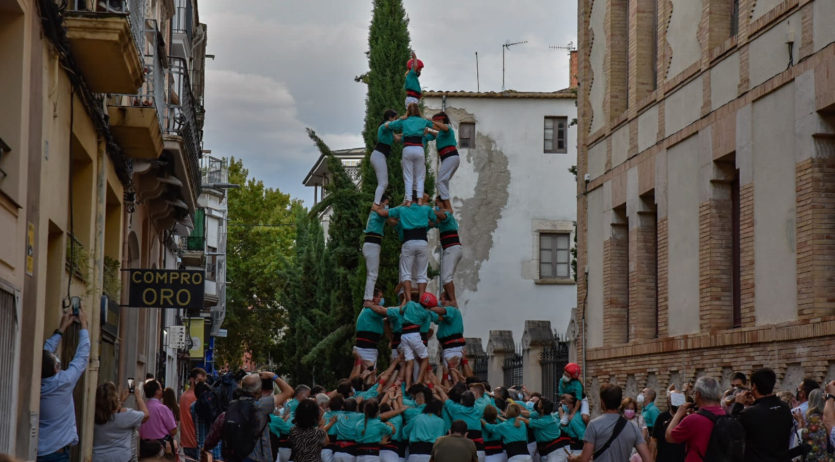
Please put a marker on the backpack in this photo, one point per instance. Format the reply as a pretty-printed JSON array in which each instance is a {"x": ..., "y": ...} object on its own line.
[
  {"x": 240, "y": 430},
  {"x": 208, "y": 406},
  {"x": 727, "y": 439},
  {"x": 224, "y": 389}
]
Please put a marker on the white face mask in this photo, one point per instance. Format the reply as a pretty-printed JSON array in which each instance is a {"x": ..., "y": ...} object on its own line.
[{"x": 641, "y": 398}]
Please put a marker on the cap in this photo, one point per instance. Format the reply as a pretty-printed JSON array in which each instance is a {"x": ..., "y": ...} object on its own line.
[
  {"x": 573, "y": 370},
  {"x": 418, "y": 67},
  {"x": 428, "y": 300}
]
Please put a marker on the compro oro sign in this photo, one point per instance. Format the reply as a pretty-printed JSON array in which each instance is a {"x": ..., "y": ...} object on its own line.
[{"x": 154, "y": 288}]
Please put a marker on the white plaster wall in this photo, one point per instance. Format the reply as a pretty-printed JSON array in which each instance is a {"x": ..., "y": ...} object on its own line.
[
  {"x": 724, "y": 80},
  {"x": 683, "y": 107},
  {"x": 596, "y": 55},
  {"x": 824, "y": 18},
  {"x": 597, "y": 159},
  {"x": 594, "y": 244},
  {"x": 647, "y": 128},
  {"x": 541, "y": 190},
  {"x": 768, "y": 54},
  {"x": 684, "y": 42},
  {"x": 775, "y": 292},
  {"x": 762, "y": 7},
  {"x": 620, "y": 145},
  {"x": 683, "y": 237}
]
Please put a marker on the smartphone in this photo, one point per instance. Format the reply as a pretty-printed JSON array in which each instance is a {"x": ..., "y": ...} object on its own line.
[
  {"x": 131, "y": 384},
  {"x": 75, "y": 302}
]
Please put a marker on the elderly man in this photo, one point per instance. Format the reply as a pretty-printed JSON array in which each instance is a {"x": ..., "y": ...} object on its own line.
[
  {"x": 56, "y": 427},
  {"x": 647, "y": 399},
  {"x": 694, "y": 429}
]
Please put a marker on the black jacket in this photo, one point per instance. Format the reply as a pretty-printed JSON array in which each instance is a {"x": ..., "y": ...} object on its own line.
[{"x": 768, "y": 427}]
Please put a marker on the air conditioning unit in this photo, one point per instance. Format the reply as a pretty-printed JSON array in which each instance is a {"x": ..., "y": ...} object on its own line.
[{"x": 177, "y": 337}]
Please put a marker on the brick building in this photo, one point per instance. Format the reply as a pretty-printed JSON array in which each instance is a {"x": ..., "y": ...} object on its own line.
[{"x": 707, "y": 215}]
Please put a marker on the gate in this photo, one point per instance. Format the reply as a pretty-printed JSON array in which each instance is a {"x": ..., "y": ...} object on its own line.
[
  {"x": 480, "y": 367},
  {"x": 513, "y": 370},
  {"x": 552, "y": 360}
]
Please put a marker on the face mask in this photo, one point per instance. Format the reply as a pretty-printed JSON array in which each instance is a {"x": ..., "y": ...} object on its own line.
[
  {"x": 529, "y": 405},
  {"x": 629, "y": 413},
  {"x": 382, "y": 301},
  {"x": 641, "y": 398},
  {"x": 386, "y": 206},
  {"x": 566, "y": 378}
]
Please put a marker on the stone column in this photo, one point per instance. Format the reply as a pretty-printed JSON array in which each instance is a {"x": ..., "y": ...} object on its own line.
[
  {"x": 499, "y": 347},
  {"x": 536, "y": 337},
  {"x": 475, "y": 354}
]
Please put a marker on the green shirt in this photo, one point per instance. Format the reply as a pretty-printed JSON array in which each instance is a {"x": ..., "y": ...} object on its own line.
[
  {"x": 509, "y": 432},
  {"x": 413, "y": 217},
  {"x": 397, "y": 421},
  {"x": 369, "y": 321},
  {"x": 372, "y": 430},
  {"x": 452, "y": 323},
  {"x": 574, "y": 387},
  {"x": 395, "y": 319},
  {"x": 385, "y": 135},
  {"x": 471, "y": 415},
  {"x": 650, "y": 413},
  {"x": 415, "y": 313},
  {"x": 291, "y": 406},
  {"x": 545, "y": 428},
  {"x": 445, "y": 138},
  {"x": 412, "y": 412},
  {"x": 327, "y": 418},
  {"x": 346, "y": 426},
  {"x": 412, "y": 82},
  {"x": 279, "y": 426},
  {"x": 427, "y": 324},
  {"x": 368, "y": 394},
  {"x": 576, "y": 427},
  {"x": 425, "y": 428},
  {"x": 448, "y": 223},
  {"x": 411, "y": 126},
  {"x": 375, "y": 223}
]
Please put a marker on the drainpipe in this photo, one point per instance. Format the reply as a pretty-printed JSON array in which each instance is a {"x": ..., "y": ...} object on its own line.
[{"x": 93, "y": 309}]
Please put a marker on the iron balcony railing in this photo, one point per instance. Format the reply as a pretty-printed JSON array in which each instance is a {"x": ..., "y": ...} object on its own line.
[
  {"x": 183, "y": 21},
  {"x": 134, "y": 9},
  {"x": 152, "y": 92},
  {"x": 214, "y": 170},
  {"x": 182, "y": 117}
]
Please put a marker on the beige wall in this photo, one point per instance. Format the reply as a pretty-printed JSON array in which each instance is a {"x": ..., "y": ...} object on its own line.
[
  {"x": 594, "y": 303},
  {"x": 823, "y": 29},
  {"x": 724, "y": 81},
  {"x": 684, "y": 43},
  {"x": 683, "y": 249},
  {"x": 620, "y": 145},
  {"x": 597, "y": 54},
  {"x": 682, "y": 107},
  {"x": 774, "y": 207},
  {"x": 648, "y": 128},
  {"x": 769, "y": 54}
]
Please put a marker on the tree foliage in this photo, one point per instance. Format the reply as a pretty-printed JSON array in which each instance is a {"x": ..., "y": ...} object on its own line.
[{"x": 260, "y": 242}]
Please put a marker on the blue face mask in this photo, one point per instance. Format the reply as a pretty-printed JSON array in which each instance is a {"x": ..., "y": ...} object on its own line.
[
  {"x": 387, "y": 207},
  {"x": 382, "y": 301}
]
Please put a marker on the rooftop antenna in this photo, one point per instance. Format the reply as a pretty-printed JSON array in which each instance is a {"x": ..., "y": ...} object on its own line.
[
  {"x": 570, "y": 47},
  {"x": 477, "y": 86},
  {"x": 506, "y": 46}
]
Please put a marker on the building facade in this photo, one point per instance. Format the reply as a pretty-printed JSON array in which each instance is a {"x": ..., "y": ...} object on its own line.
[
  {"x": 705, "y": 203},
  {"x": 320, "y": 176},
  {"x": 101, "y": 134},
  {"x": 513, "y": 196}
]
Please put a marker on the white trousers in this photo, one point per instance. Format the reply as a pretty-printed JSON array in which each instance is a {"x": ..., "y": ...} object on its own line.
[
  {"x": 454, "y": 352},
  {"x": 520, "y": 458},
  {"x": 387, "y": 455},
  {"x": 368, "y": 458},
  {"x": 419, "y": 457},
  {"x": 371, "y": 252},
  {"x": 445, "y": 172},
  {"x": 449, "y": 261},
  {"x": 284, "y": 455},
  {"x": 327, "y": 455},
  {"x": 410, "y": 100},
  {"x": 343, "y": 457},
  {"x": 501, "y": 457},
  {"x": 414, "y": 256},
  {"x": 414, "y": 170},
  {"x": 558, "y": 455},
  {"x": 381, "y": 169},
  {"x": 413, "y": 347}
]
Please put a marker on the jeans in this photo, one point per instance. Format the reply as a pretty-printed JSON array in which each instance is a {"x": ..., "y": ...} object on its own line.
[{"x": 63, "y": 456}]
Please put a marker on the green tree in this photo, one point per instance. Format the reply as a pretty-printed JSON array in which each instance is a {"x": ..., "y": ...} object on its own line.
[{"x": 260, "y": 243}]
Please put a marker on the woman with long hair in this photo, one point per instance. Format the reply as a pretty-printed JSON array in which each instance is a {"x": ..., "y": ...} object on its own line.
[
  {"x": 372, "y": 432},
  {"x": 813, "y": 434},
  {"x": 414, "y": 128},
  {"x": 169, "y": 398},
  {"x": 306, "y": 438},
  {"x": 114, "y": 425}
]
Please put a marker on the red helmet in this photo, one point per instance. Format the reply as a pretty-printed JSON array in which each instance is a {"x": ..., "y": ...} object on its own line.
[
  {"x": 410, "y": 63},
  {"x": 428, "y": 300},
  {"x": 573, "y": 370}
]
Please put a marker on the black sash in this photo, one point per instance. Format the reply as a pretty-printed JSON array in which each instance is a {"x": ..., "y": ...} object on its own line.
[
  {"x": 382, "y": 148},
  {"x": 367, "y": 339},
  {"x": 373, "y": 238},
  {"x": 449, "y": 239},
  {"x": 516, "y": 448},
  {"x": 416, "y": 234},
  {"x": 413, "y": 140},
  {"x": 452, "y": 341}
]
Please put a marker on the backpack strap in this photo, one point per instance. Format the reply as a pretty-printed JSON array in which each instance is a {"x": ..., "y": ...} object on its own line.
[
  {"x": 713, "y": 418},
  {"x": 615, "y": 432}
]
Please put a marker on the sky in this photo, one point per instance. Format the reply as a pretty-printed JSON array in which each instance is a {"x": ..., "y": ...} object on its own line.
[{"x": 281, "y": 66}]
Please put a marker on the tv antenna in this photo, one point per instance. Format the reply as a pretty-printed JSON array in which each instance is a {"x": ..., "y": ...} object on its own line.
[
  {"x": 570, "y": 47},
  {"x": 477, "y": 85},
  {"x": 506, "y": 46}
]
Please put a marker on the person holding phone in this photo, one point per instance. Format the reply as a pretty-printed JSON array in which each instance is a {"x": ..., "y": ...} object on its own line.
[{"x": 114, "y": 424}]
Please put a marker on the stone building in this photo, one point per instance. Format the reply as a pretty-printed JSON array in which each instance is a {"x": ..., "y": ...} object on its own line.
[
  {"x": 706, "y": 162},
  {"x": 100, "y": 141}
]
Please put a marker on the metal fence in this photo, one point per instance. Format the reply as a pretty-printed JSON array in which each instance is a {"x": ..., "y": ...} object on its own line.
[
  {"x": 513, "y": 370},
  {"x": 553, "y": 360},
  {"x": 182, "y": 116},
  {"x": 480, "y": 367},
  {"x": 135, "y": 9}
]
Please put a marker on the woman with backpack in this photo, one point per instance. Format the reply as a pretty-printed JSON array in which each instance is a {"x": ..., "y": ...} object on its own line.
[{"x": 200, "y": 414}]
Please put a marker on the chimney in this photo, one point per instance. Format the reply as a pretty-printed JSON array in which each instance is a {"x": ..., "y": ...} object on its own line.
[{"x": 573, "y": 70}]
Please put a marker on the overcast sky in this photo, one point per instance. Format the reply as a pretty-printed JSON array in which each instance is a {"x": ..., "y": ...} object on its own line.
[{"x": 285, "y": 65}]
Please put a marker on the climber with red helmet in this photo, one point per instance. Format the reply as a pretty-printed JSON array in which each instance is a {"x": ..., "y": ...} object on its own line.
[
  {"x": 412, "y": 84},
  {"x": 570, "y": 384}
]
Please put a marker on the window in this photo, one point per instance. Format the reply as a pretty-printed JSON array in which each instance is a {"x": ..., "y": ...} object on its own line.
[
  {"x": 554, "y": 255},
  {"x": 466, "y": 135},
  {"x": 211, "y": 264},
  {"x": 734, "y": 17},
  {"x": 555, "y": 134}
]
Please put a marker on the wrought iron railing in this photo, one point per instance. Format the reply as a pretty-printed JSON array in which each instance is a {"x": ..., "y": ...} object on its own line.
[
  {"x": 183, "y": 21},
  {"x": 553, "y": 360},
  {"x": 480, "y": 367},
  {"x": 214, "y": 170},
  {"x": 134, "y": 9},
  {"x": 513, "y": 370},
  {"x": 182, "y": 117}
]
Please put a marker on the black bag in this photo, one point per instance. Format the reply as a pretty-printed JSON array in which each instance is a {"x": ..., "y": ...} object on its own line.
[
  {"x": 208, "y": 406},
  {"x": 727, "y": 439},
  {"x": 240, "y": 430}
]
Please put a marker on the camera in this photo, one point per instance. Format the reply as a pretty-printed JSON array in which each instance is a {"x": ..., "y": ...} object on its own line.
[
  {"x": 131, "y": 384},
  {"x": 75, "y": 303}
]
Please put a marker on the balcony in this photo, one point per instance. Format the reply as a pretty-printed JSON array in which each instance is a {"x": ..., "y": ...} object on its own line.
[
  {"x": 193, "y": 247},
  {"x": 136, "y": 119},
  {"x": 106, "y": 37},
  {"x": 182, "y": 29},
  {"x": 182, "y": 132}
]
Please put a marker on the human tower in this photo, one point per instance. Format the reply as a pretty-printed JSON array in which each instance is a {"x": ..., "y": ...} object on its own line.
[{"x": 410, "y": 321}]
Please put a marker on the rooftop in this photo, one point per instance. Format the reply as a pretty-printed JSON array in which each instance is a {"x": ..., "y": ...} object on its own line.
[
  {"x": 316, "y": 175},
  {"x": 567, "y": 93}
]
